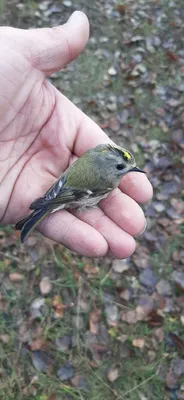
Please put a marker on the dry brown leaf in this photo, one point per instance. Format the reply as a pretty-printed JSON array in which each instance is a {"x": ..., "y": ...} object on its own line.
[
  {"x": 179, "y": 343},
  {"x": 58, "y": 306},
  {"x": 59, "y": 311},
  {"x": 154, "y": 319},
  {"x": 16, "y": 277},
  {"x": 98, "y": 347},
  {"x": 91, "y": 270},
  {"x": 37, "y": 344},
  {"x": 171, "y": 380},
  {"x": 159, "y": 334},
  {"x": 56, "y": 301},
  {"x": 5, "y": 338},
  {"x": 172, "y": 56},
  {"x": 3, "y": 305},
  {"x": 130, "y": 317},
  {"x": 122, "y": 8},
  {"x": 45, "y": 285},
  {"x": 52, "y": 397},
  {"x": 94, "y": 318},
  {"x": 144, "y": 308},
  {"x": 124, "y": 294},
  {"x": 139, "y": 342},
  {"x": 113, "y": 374}
]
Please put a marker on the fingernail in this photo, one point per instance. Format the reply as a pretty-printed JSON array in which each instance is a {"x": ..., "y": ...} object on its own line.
[
  {"x": 75, "y": 17},
  {"x": 145, "y": 226}
]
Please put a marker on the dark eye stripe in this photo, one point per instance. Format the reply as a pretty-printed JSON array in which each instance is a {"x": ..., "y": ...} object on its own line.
[{"x": 120, "y": 166}]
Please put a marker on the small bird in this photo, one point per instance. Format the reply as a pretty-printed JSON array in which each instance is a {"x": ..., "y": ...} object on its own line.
[{"x": 87, "y": 181}]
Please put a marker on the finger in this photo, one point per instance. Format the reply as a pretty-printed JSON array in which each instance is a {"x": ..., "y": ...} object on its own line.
[
  {"x": 89, "y": 135},
  {"x": 121, "y": 244},
  {"x": 137, "y": 186},
  {"x": 65, "y": 228},
  {"x": 53, "y": 48},
  {"x": 124, "y": 211}
]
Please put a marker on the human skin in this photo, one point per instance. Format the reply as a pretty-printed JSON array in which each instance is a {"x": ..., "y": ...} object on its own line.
[{"x": 41, "y": 132}]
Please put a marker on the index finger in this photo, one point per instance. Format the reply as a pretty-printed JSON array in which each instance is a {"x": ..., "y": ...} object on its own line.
[{"x": 137, "y": 186}]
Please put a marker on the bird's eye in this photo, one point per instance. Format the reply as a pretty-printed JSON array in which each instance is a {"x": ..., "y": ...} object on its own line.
[{"x": 120, "y": 167}]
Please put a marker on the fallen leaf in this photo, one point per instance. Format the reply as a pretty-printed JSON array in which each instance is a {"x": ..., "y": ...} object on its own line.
[
  {"x": 171, "y": 380},
  {"x": 120, "y": 266},
  {"x": 111, "y": 311},
  {"x": 5, "y": 338},
  {"x": 41, "y": 360},
  {"x": 164, "y": 288},
  {"x": 124, "y": 294},
  {"x": 178, "y": 367},
  {"x": 159, "y": 334},
  {"x": 137, "y": 38},
  {"x": 16, "y": 277},
  {"x": 130, "y": 317},
  {"x": 98, "y": 347},
  {"x": 45, "y": 285},
  {"x": 164, "y": 127},
  {"x": 113, "y": 374},
  {"x": 121, "y": 8},
  {"x": 64, "y": 343},
  {"x": 139, "y": 342},
  {"x": 173, "y": 103},
  {"x": 154, "y": 319},
  {"x": 80, "y": 382},
  {"x": 112, "y": 71},
  {"x": 91, "y": 270},
  {"x": 37, "y": 344},
  {"x": 59, "y": 310},
  {"x": 56, "y": 301},
  {"x": 144, "y": 308},
  {"x": 114, "y": 124},
  {"x": 65, "y": 372},
  {"x": 172, "y": 56},
  {"x": 52, "y": 396},
  {"x": 178, "y": 342},
  {"x": 148, "y": 278},
  {"x": 94, "y": 318},
  {"x": 178, "y": 277}
]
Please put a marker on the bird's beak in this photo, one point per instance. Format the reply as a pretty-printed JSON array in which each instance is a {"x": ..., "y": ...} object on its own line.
[{"x": 136, "y": 169}]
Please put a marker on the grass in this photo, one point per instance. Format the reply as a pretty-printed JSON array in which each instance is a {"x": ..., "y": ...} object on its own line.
[
  {"x": 162, "y": 260},
  {"x": 16, "y": 366}
]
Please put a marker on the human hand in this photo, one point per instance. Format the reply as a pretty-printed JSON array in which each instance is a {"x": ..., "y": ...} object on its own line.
[{"x": 41, "y": 131}]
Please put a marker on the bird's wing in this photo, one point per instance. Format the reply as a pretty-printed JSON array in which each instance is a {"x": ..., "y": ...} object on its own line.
[
  {"x": 67, "y": 195},
  {"x": 60, "y": 193},
  {"x": 51, "y": 193}
]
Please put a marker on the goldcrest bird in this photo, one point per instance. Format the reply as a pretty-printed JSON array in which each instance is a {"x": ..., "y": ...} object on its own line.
[{"x": 87, "y": 181}]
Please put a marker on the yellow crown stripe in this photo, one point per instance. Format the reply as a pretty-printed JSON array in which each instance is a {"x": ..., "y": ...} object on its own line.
[{"x": 127, "y": 155}]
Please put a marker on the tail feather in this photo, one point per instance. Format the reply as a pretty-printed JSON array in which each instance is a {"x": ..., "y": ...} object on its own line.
[
  {"x": 29, "y": 223},
  {"x": 19, "y": 225}
]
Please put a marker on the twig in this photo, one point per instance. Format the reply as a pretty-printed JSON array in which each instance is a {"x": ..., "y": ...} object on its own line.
[
  {"x": 106, "y": 276},
  {"x": 136, "y": 387},
  {"x": 14, "y": 258}
]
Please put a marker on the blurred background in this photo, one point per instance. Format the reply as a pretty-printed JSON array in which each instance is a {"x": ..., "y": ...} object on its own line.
[{"x": 76, "y": 328}]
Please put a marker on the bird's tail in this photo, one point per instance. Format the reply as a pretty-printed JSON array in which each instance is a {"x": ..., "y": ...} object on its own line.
[{"x": 29, "y": 223}]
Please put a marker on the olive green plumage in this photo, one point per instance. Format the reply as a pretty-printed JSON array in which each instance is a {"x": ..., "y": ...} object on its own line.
[{"x": 88, "y": 180}]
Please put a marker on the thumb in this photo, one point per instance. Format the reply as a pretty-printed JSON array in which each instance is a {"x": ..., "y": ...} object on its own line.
[{"x": 53, "y": 48}]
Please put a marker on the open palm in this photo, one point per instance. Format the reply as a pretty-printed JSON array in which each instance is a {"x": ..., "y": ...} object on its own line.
[{"x": 40, "y": 133}]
